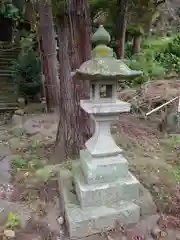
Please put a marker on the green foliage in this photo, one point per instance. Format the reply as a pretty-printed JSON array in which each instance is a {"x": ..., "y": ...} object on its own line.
[
  {"x": 7, "y": 9},
  {"x": 13, "y": 221},
  {"x": 58, "y": 7},
  {"x": 176, "y": 173},
  {"x": 35, "y": 164},
  {"x": 27, "y": 74},
  {"x": 19, "y": 163},
  {"x": 45, "y": 173},
  {"x": 22, "y": 163},
  {"x": 174, "y": 46},
  {"x": 97, "y": 6},
  {"x": 135, "y": 30},
  {"x": 170, "y": 62},
  {"x": 156, "y": 44},
  {"x": 27, "y": 43},
  {"x": 145, "y": 62},
  {"x": 174, "y": 139},
  {"x": 170, "y": 56},
  {"x": 19, "y": 4},
  {"x": 159, "y": 56}
]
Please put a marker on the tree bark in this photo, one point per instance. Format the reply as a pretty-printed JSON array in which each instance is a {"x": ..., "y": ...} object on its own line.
[
  {"x": 137, "y": 44},
  {"x": 49, "y": 54},
  {"x": 74, "y": 48},
  {"x": 67, "y": 137},
  {"x": 121, "y": 26}
]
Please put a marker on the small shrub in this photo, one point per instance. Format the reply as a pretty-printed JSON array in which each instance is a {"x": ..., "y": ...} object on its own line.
[
  {"x": 148, "y": 65},
  {"x": 13, "y": 221},
  {"x": 27, "y": 75},
  {"x": 156, "y": 45},
  {"x": 159, "y": 56},
  {"x": 35, "y": 164},
  {"x": 27, "y": 43},
  {"x": 174, "y": 46},
  {"x": 134, "y": 30},
  {"x": 176, "y": 173},
  {"x": 19, "y": 162},
  {"x": 128, "y": 49},
  {"x": 22, "y": 163},
  {"x": 45, "y": 173},
  {"x": 170, "y": 57}
]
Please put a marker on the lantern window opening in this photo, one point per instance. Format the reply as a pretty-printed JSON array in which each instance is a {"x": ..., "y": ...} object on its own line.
[
  {"x": 92, "y": 91},
  {"x": 106, "y": 91}
]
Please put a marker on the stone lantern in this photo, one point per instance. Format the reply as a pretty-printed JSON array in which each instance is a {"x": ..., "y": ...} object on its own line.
[{"x": 100, "y": 190}]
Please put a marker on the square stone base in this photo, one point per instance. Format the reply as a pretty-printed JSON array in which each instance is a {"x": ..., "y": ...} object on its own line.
[
  {"x": 108, "y": 193},
  {"x": 104, "y": 169},
  {"x": 91, "y": 220}
]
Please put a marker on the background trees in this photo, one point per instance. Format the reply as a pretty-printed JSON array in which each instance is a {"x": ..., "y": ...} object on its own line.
[
  {"x": 48, "y": 53},
  {"x": 74, "y": 48},
  {"x": 136, "y": 27}
]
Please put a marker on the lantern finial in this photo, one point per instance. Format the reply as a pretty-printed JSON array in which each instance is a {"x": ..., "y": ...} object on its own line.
[{"x": 101, "y": 36}]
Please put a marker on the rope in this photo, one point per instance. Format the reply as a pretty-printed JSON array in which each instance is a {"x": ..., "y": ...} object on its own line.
[{"x": 163, "y": 105}]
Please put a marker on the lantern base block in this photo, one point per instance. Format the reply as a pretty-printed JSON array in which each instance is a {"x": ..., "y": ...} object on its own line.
[
  {"x": 92, "y": 220},
  {"x": 98, "y": 194},
  {"x": 103, "y": 169}
]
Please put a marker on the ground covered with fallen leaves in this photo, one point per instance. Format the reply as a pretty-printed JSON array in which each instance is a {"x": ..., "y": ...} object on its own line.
[
  {"x": 151, "y": 145},
  {"x": 153, "y": 152}
]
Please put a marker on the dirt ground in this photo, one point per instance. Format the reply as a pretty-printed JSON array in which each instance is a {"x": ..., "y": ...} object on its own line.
[
  {"x": 153, "y": 157},
  {"x": 153, "y": 153}
]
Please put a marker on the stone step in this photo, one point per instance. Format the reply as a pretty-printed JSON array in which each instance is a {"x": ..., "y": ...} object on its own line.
[
  {"x": 4, "y": 83},
  {"x": 6, "y": 66},
  {"x": 104, "y": 193},
  {"x": 7, "y": 102},
  {"x": 7, "y": 86},
  {"x": 6, "y": 70},
  {"x": 5, "y": 75},
  {"x": 92, "y": 220},
  {"x": 6, "y": 93},
  {"x": 9, "y": 53},
  {"x": 10, "y": 49},
  {"x": 9, "y": 83},
  {"x": 8, "y": 44},
  {"x": 5, "y": 57},
  {"x": 7, "y": 97},
  {"x": 7, "y": 79},
  {"x": 9, "y": 62},
  {"x": 6, "y": 89}
]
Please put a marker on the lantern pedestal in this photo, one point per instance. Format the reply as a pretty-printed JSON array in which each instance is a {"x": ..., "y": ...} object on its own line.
[
  {"x": 100, "y": 190},
  {"x": 82, "y": 222}
]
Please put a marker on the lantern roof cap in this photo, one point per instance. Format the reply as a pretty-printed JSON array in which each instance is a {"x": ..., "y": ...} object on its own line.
[
  {"x": 103, "y": 65},
  {"x": 101, "y": 36}
]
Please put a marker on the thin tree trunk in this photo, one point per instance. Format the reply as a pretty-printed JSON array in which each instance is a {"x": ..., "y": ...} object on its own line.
[
  {"x": 80, "y": 49},
  {"x": 121, "y": 26},
  {"x": 67, "y": 136},
  {"x": 74, "y": 48},
  {"x": 137, "y": 44},
  {"x": 49, "y": 54}
]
